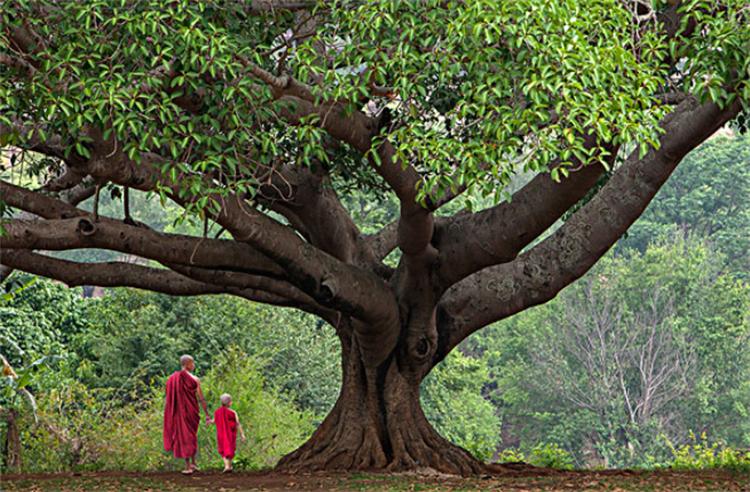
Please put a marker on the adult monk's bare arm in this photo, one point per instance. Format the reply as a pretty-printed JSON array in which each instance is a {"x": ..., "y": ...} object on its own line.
[{"x": 202, "y": 400}]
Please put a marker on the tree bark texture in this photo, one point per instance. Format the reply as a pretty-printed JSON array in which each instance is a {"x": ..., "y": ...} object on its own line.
[{"x": 378, "y": 423}]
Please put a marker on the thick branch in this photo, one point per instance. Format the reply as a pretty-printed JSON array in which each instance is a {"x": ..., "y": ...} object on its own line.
[
  {"x": 198, "y": 258},
  {"x": 538, "y": 275},
  {"x": 327, "y": 280},
  {"x": 470, "y": 242},
  {"x": 384, "y": 241},
  {"x": 20, "y": 198},
  {"x": 242, "y": 280},
  {"x": 114, "y": 235},
  {"x": 416, "y": 222},
  {"x": 306, "y": 197},
  {"x": 281, "y": 289},
  {"x": 43, "y": 206},
  {"x": 118, "y": 274},
  {"x": 76, "y": 228}
]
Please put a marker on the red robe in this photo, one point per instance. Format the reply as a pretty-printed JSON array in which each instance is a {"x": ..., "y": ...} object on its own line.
[
  {"x": 181, "y": 415},
  {"x": 226, "y": 431}
]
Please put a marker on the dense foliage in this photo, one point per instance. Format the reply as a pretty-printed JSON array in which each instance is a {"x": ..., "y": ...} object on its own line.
[
  {"x": 453, "y": 402},
  {"x": 707, "y": 195},
  {"x": 453, "y": 74}
]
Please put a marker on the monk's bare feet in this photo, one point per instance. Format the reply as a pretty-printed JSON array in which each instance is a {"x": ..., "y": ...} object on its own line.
[
  {"x": 189, "y": 471},
  {"x": 227, "y": 470}
]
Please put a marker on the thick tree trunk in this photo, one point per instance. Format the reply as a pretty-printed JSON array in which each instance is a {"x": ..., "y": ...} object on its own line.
[{"x": 378, "y": 424}]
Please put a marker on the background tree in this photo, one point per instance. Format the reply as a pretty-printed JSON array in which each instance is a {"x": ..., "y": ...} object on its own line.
[
  {"x": 255, "y": 115},
  {"x": 643, "y": 350},
  {"x": 706, "y": 199},
  {"x": 452, "y": 400}
]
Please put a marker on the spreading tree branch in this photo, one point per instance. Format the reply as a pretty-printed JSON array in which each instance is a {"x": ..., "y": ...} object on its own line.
[
  {"x": 114, "y": 235},
  {"x": 384, "y": 241},
  {"x": 119, "y": 274},
  {"x": 46, "y": 206},
  {"x": 470, "y": 242},
  {"x": 537, "y": 275},
  {"x": 308, "y": 200}
]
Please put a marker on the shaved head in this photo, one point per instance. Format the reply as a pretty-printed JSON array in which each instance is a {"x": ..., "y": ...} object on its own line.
[
  {"x": 225, "y": 399},
  {"x": 185, "y": 360}
]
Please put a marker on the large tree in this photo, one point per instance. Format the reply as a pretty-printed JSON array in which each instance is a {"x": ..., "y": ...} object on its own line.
[{"x": 257, "y": 115}]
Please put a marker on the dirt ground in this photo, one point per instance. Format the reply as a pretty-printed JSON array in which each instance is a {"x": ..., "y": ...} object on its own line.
[{"x": 510, "y": 480}]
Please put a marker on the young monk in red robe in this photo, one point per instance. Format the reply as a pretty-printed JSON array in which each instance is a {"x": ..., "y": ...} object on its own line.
[
  {"x": 227, "y": 426},
  {"x": 181, "y": 414}
]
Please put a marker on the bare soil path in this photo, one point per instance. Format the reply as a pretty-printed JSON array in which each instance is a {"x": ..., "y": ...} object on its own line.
[{"x": 517, "y": 480}]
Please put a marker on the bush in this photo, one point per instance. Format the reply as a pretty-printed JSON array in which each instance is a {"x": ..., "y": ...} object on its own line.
[
  {"x": 90, "y": 429},
  {"x": 273, "y": 424},
  {"x": 543, "y": 455},
  {"x": 452, "y": 401},
  {"x": 699, "y": 454},
  {"x": 84, "y": 429},
  {"x": 511, "y": 455},
  {"x": 551, "y": 456}
]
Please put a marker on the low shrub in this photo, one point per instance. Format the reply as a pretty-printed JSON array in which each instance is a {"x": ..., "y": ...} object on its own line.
[
  {"x": 543, "y": 455},
  {"x": 80, "y": 428},
  {"x": 699, "y": 454}
]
